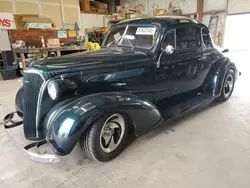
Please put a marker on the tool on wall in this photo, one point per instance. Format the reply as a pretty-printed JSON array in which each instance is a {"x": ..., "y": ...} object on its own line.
[
  {"x": 213, "y": 25},
  {"x": 216, "y": 28}
]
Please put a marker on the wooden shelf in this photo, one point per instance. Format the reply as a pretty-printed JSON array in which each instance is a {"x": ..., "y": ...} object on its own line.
[
  {"x": 22, "y": 51},
  {"x": 116, "y": 21},
  {"x": 102, "y": 13},
  {"x": 40, "y": 50}
]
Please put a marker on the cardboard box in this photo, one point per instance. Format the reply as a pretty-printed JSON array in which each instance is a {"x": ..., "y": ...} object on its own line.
[
  {"x": 53, "y": 43},
  {"x": 84, "y": 5},
  {"x": 100, "y": 5}
]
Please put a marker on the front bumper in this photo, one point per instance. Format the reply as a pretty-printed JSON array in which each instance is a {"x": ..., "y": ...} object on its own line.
[{"x": 37, "y": 157}]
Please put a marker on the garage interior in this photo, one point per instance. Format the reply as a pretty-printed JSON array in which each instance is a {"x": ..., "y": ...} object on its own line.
[{"x": 209, "y": 147}]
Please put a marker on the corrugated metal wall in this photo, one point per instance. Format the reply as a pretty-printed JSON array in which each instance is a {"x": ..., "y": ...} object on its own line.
[{"x": 238, "y": 6}]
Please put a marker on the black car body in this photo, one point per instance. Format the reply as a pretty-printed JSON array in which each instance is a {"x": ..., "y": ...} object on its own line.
[{"x": 148, "y": 70}]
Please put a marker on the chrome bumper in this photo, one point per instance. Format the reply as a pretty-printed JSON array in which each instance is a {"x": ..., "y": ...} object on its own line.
[{"x": 37, "y": 157}]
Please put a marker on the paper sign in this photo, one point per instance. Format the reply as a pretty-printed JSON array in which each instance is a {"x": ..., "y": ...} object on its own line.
[
  {"x": 32, "y": 25},
  {"x": 117, "y": 36},
  {"x": 7, "y": 21},
  {"x": 72, "y": 33},
  {"x": 130, "y": 37},
  {"x": 62, "y": 34},
  {"x": 145, "y": 31}
]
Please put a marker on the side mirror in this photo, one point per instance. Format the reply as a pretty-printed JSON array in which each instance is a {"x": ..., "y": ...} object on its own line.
[
  {"x": 169, "y": 49},
  {"x": 225, "y": 51}
]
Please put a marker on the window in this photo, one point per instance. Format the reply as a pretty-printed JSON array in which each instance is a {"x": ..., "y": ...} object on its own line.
[
  {"x": 187, "y": 38},
  {"x": 136, "y": 36},
  {"x": 169, "y": 39},
  {"x": 182, "y": 38},
  {"x": 206, "y": 38}
]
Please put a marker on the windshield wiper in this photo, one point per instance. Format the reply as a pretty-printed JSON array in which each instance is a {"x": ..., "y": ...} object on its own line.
[
  {"x": 114, "y": 41},
  {"x": 121, "y": 37},
  {"x": 130, "y": 43}
]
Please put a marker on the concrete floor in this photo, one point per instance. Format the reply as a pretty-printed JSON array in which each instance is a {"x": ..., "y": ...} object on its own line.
[{"x": 210, "y": 148}]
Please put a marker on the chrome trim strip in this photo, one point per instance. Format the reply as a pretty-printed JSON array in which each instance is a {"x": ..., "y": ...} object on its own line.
[
  {"x": 35, "y": 71},
  {"x": 39, "y": 102}
]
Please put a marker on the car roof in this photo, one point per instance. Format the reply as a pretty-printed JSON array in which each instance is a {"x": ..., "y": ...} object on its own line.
[{"x": 166, "y": 20}]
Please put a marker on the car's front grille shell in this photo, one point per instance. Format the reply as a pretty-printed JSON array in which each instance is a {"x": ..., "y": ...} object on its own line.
[{"x": 32, "y": 85}]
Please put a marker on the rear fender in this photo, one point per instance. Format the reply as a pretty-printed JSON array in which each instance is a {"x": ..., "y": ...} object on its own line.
[
  {"x": 217, "y": 75},
  {"x": 222, "y": 72},
  {"x": 68, "y": 120}
]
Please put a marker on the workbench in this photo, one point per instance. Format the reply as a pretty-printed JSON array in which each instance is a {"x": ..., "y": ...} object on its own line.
[{"x": 58, "y": 51}]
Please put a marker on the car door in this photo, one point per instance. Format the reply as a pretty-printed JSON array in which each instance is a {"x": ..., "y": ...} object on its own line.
[
  {"x": 208, "y": 57},
  {"x": 178, "y": 71}
]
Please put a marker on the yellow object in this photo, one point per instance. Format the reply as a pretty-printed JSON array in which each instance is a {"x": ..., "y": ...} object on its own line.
[
  {"x": 96, "y": 46},
  {"x": 71, "y": 33},
  {"x": 90, "y": 45},
  {"x": 106, "y": 29},
  {"x": 93, "y": 46}
]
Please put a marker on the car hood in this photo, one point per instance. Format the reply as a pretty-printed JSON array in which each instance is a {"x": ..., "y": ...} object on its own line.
[{"x": 102, "y": 57}]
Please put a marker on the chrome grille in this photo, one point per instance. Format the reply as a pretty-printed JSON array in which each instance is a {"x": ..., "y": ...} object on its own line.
[{"x": 32, "y": 83}]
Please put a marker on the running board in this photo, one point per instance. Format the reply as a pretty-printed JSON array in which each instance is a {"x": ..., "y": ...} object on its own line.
[{"x": 176, "y": 110}]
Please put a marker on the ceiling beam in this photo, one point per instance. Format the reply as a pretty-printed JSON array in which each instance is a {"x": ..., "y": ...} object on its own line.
[{"x": 199, "y": 13}]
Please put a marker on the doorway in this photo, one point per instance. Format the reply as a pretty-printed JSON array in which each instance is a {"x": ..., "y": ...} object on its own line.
[{"x": 237, "y": 40}]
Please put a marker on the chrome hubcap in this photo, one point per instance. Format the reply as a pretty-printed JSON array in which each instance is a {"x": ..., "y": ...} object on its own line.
[
  {"x": 228, "y": 86},
  {"x": 112, "y": 133}
]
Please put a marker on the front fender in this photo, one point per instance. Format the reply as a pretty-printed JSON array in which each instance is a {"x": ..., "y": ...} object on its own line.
[{"x": 67, "y": 121}]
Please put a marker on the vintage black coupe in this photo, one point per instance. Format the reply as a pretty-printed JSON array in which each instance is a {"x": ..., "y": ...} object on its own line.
[{"x": 148, "y": 71}]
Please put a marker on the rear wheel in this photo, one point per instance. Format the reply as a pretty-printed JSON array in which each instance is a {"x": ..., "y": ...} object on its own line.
[
  {"x": 106, "y": 138},
  {"x": 228, "y": 86}
]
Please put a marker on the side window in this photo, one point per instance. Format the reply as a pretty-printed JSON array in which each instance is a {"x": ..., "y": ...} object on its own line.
[
  {"x": 187, "y": 38},
  {"x": 169, "y": 39},
  {"x": 206, "y": 38}
]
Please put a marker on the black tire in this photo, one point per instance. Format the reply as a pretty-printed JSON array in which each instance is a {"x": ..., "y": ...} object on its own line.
[
  {"x": 227, "y": 91},
  {"x": 92, "y": 142}
]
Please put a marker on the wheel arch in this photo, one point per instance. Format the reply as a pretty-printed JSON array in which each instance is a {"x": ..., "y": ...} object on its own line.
[
  {"x": 217, "y": 75},
  {"x": 68, "y": 120},
  {"x": 222, "y": 72}
]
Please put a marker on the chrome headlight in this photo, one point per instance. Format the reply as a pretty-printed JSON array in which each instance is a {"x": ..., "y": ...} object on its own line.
[{"x": 57, "y": 88}]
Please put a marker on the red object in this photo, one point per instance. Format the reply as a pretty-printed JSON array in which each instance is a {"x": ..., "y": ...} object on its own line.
[
  {"x": 131, "y": 10},
  {"x": 43, "y": 42},
  {"x": 5, "y": 22}
]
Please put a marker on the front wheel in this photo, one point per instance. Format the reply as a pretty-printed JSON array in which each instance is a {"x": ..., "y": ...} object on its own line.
[
  {"x": 228, "y": 86},
  {"x": 106, "y": 138}
]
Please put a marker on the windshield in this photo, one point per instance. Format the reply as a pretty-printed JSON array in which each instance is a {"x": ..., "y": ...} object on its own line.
[{"x": 133, "y": 36}]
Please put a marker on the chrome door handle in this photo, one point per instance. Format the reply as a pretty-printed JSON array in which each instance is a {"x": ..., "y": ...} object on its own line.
[
  {"x": 121, "y": 84},
  {"x": 202, "y": 58}
]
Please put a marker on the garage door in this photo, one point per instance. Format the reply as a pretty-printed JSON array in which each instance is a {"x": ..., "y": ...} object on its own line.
[{"x": 238, "y": 6}]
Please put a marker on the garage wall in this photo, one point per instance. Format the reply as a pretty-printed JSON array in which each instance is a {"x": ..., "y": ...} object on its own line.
[
  {"x": 214, "y": 5},
  {"x": 210, "y": 5},
  {"x": 187, "y": 6},
  {"x": 59, "y": 11},
  {"x": 190, "y": 7},
  {"x": 93, "y": 20}
]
